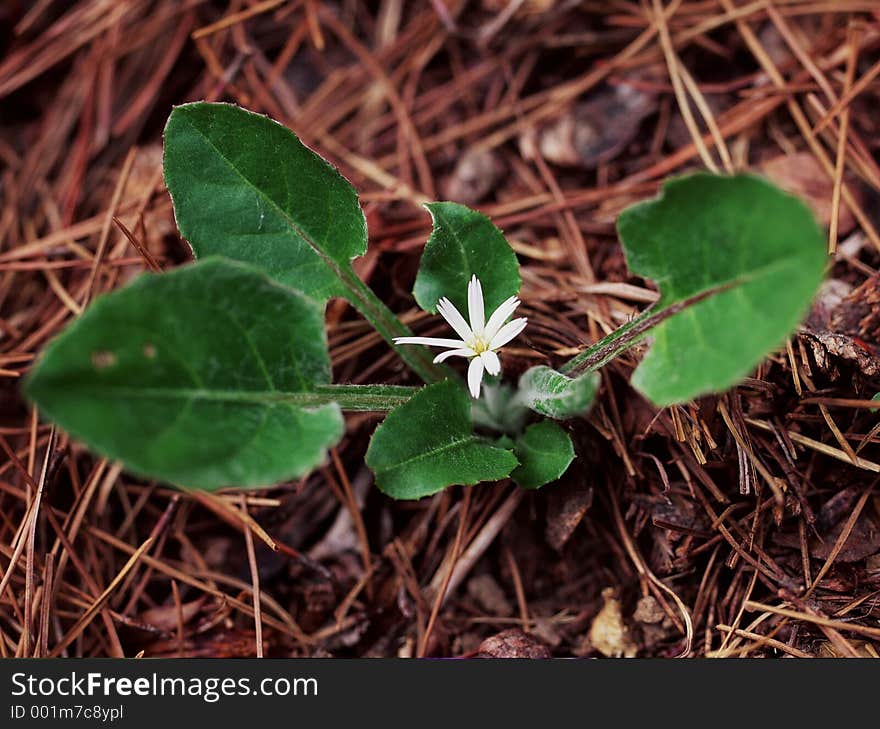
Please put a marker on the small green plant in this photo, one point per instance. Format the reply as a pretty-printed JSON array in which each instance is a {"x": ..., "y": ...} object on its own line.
[{"x": 217, "y": 373}]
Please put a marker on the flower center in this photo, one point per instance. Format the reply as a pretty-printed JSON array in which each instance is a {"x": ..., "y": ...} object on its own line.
[{"x": 478, "y": 344}]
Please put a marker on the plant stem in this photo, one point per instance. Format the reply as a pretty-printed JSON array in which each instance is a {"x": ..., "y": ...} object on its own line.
[
  {"x": 389, "y": 326},
  {"x": 374, "y": 311},
  {"x": 362, "y": 398},
  {"x": 609, "y": 347},
  {"x": 367, "y": 398},
  {"x": 630, "y": 333}
]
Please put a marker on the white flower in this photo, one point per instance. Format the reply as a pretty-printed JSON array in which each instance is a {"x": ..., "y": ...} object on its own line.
[{"x": 480, "y": 339}]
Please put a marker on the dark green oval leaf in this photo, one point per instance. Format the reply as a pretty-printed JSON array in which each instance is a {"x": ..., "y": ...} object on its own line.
[
  {"x": 555, "y": 395},
  {"x": 464, "y": 243},
  {"x": 203, "y": 377},
  {"x": 544, "y": 452},
  {"x": 755, "y": 250},
  {"x": 245, "y": 187},
  {"x": 428, "y": 444}
]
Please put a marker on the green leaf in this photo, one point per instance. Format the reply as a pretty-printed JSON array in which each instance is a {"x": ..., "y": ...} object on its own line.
[
  {"x": 506, "y": 442},
  {"x": 755, "y": 250},
  {"x": 464, "y": 243},
  {"x": 544, "y": 452},
  {"x": 428, "y": 444},
  {"x": 555, "y": 395},
  {"x": 245, "y": 187},
  {"x": 205, "y": 377}
]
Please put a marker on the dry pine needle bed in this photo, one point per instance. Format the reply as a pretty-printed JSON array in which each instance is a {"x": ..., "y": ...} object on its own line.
[{"x": 746, "y": 524}]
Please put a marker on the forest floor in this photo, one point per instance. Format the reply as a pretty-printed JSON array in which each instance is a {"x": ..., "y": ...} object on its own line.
[{"x": 740, "y": 525}]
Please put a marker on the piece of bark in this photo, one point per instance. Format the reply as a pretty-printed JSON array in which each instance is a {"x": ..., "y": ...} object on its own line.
[
  {"x": 567, "y": 504},
  {"x": 474, "y": 176},
  {"x": 595, "y": 130},
  {"x": 489, "y": 595},
  {"x": 513, "y": 643},
  {"x": 802, "y": 175}
]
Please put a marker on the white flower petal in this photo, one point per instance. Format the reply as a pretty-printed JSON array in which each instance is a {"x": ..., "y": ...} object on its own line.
[
  {"x": 475, "y": 376},
  {"x": 507, "y": 332},
  {"x": 463, "y": 352},
  {"x": 491, "y": 362},
  {"x": 475, "y": 306},
  {"x": 430, "y": 341},
  {"x": 499, "y": 316},
  {"x": 448, "y": 311}
]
